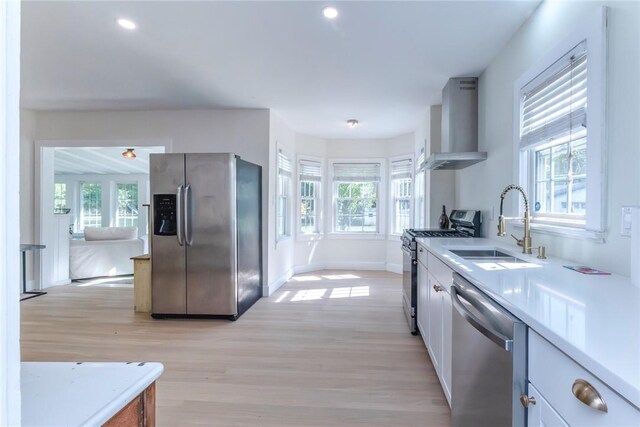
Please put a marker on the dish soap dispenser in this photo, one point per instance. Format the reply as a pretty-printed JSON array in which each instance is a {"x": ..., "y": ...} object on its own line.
[{"x": 444, "y": 220}]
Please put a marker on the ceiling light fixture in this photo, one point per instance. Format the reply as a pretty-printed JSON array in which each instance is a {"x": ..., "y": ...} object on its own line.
[
  {"x": 127, "y": 24},
  {"x": 353, "y": 123},
  {"x": 129, "y": 154},
  {"x": 330, "y": 12}
]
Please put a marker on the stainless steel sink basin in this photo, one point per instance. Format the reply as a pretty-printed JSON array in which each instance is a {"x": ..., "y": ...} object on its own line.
[{"x": 486, "y": 255}]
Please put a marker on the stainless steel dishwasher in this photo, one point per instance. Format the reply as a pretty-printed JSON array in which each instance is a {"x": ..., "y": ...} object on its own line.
[{"x": 489, "y": 360}]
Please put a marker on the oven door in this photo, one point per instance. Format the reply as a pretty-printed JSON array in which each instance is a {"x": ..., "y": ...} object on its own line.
[{"x": 409, "y": 287}]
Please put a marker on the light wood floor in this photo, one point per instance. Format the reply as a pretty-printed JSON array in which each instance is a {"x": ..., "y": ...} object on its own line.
[{"x": 330, "y": 348}]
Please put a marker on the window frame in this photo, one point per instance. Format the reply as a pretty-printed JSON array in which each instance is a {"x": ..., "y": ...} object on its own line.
[
  {"x": 283, "y": 179},
  {"x": 593, "y": 31},
  {"x": 379, "y": 234},
  {"x": 392, "y": 195},
  {"x": 319, "y": 199}
]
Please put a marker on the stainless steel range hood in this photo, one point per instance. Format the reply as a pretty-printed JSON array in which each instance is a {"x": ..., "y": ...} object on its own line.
[{"x": 459, "y": 126}]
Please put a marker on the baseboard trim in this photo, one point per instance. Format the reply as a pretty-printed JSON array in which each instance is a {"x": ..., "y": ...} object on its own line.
[{"x": 394, "y": 268}]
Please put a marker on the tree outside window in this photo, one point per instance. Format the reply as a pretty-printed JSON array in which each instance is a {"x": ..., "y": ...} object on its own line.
[{"x": 127, "y": 211}]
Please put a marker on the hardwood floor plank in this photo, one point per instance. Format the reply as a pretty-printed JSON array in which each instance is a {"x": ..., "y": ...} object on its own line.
[{"x": 330, "y": 348}]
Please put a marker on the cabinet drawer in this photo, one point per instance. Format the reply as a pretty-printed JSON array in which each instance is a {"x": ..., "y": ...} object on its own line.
[
  {"x": 422, "y": 256},
  {"x": 553, "y": 373},
  {"x": 439, "y": 270}
]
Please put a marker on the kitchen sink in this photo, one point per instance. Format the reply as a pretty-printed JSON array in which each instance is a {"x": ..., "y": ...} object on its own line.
[{"x": 487, "y": 255}]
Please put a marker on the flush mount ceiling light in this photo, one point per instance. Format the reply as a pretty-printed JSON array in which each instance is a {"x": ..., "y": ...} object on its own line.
[
  {"x": 352, "y": 123},
  {"x": 126, "y": 23},
  {"x": 129, "y": 154},
  {"x": 330, "y": 12}
]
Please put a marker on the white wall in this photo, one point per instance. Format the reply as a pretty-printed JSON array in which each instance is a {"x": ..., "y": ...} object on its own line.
[
  {"x": 10, "y": 398},
  {"x": 242, "y": 131},
  {"x": 480, "y": 185},
  {"x": 27, "y": 135}
]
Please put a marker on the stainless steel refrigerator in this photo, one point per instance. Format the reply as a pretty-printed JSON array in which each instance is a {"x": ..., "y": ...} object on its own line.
[{"x": 206, "y": 244}]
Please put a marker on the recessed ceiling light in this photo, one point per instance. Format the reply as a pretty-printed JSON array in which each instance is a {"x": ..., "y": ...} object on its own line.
[
  {"x": 352, "y": 123},
  {"x": 330, "y": 12},
  {"x": 126, "y": 23}
]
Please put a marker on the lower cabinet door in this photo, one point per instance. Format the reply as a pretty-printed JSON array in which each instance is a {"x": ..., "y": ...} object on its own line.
[
  {"x": 541, "y": 414},
  {"x": 447, "y": 321}
]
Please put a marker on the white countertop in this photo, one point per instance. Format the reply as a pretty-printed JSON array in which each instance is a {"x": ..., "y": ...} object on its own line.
[
  {"x": 81, "y": 393},
  {"x": 595, "y": 319}
]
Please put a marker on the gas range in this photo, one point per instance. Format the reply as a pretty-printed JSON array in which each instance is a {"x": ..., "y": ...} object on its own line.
[{"x": 464, "y": 224}]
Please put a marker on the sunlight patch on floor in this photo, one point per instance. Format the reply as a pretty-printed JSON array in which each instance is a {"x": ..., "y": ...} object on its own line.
[
  {"x": 308, "y": 295},
  {"x": 358, "y": 291},
  {"x": 340, "y": 276},
  {"x": 305, "y": 278}
]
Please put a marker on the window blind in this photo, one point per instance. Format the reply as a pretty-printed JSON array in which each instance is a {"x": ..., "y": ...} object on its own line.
[
  {"x": 356, "y": 172},
  {"x": 310, "y": 170},
  {"x": 401, "y": 169},
  {"x": 284, "y": 164},
  {"x": 554, "y": 104}
]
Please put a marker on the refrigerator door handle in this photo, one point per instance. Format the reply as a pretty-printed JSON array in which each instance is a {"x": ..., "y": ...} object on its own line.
[
  {"x": 187, "y": 215},
  {"x": 179, "y": 216}
]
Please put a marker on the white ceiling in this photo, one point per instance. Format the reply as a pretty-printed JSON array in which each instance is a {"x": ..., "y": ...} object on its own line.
[
  {"x": 102, "y": 160},
  {"x": 382, "y": 63}
]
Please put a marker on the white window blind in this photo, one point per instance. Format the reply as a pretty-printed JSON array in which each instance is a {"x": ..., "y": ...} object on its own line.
[
  {"x": 401, "y": 169},
  {"x": 356, "y": 172},
  {"x": 284, "y": 164},
  {"x": 554, "y": 104},
  {"x": 310, "y": 170}
]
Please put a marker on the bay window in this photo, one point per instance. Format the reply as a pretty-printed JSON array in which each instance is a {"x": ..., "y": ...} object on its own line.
[
  {"x": 283, "y": 190},
  {"x": 310, "y": 180},
  {"x": 356, "y": 198},
  {"x": 401, "y": 194}
]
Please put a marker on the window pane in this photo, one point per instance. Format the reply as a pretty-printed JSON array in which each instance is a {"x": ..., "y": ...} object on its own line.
[
  {"x": 560, "y": 161},
  {"x": 356, "y": 207},
  {"x": 59, "y": 197},
  {"x": 579, "y": 196},
  {"x": 560, "y": 197},
  {"x": 91, "y": 214},
  {"x": 127, "y": 211},
  {"x": 579, "y": 158}
]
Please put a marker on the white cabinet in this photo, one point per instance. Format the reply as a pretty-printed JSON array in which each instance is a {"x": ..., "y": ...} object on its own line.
[
  {"x": 559, "y": 379},
  {"x": 60, "y": 249},
  {"x": 434, "y": 315},
  {"x": 423, "y": 301},
  {"x": 446, "y": 343},
  {"x": 540, "y": 413},
  {"x": 435, "y": 323}
]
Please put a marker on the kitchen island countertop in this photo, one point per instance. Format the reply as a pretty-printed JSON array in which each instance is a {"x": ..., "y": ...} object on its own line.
[{"x": 81, "y": 393}]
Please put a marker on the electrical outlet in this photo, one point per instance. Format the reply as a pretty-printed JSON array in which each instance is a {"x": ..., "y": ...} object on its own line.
[{"x": 626, "y": 221}]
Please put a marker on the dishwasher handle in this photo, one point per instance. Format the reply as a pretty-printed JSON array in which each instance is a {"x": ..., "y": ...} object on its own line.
[{"x": 495, "y": 336}]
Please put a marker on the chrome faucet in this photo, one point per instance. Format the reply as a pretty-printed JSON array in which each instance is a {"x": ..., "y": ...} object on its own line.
[{"x": 525, "y": 242}]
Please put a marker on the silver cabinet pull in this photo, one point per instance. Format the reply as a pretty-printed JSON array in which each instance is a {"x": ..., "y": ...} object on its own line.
[
  {"x": 438, "y": 288},
  {"x": 587, "y": 394},
  {"x": 527, "y": 401}
]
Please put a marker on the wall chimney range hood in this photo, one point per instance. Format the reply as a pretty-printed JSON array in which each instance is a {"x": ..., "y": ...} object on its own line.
[{"x": 459, "y": 126}]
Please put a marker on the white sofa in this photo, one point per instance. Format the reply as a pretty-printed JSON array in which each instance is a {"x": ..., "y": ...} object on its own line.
[{"x": 105, "y": 251}]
